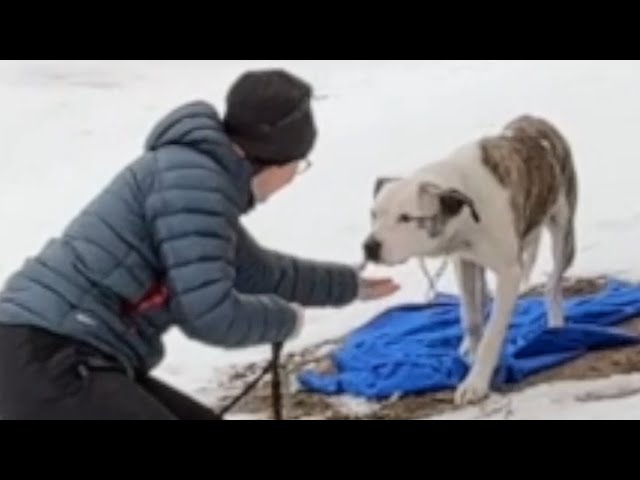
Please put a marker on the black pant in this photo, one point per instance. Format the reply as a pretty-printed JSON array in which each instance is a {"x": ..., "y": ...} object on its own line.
[{"x": 47, "y": 377}]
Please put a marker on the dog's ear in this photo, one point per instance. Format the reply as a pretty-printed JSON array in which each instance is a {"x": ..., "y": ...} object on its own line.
[
  {"x": 381, "y": 182},
  {"x": 453, "y": 201}
]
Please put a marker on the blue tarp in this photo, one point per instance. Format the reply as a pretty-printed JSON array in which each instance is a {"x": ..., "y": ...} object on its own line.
[{"x": 413, "y": 349}]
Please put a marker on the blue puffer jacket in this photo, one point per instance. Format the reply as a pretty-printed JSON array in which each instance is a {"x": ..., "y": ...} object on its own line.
[{"x": 162, "y": 246}]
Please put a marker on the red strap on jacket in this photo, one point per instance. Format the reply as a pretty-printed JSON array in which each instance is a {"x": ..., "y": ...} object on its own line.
[{"x": 156, "y": 298}]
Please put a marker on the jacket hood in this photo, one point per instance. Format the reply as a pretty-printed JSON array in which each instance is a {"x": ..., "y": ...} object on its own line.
[{"x": 198, "y": 126}]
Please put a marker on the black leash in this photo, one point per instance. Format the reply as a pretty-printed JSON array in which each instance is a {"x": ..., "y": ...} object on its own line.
[
  {"x": 276, "y": 390},
  {"x": 272, "y": 366}
]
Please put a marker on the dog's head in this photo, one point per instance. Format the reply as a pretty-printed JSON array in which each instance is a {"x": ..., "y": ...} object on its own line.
[{"x": 413, "y": 218}]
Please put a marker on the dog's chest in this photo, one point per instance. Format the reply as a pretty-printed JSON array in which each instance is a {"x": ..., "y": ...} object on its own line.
[{"x": 527, "y": 169}]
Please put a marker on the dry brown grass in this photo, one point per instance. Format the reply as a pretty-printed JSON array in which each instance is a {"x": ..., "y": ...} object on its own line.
[{"x": 305, "y": 405}]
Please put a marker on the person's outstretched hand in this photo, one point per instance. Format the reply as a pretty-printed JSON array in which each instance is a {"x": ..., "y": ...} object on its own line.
[{"x": 377, "y": 288}]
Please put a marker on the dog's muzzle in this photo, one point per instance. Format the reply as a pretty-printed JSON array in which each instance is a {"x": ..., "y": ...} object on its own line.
[{"x": 372, "y": 250}]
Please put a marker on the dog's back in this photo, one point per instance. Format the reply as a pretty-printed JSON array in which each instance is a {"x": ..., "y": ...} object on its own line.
[{"x": 534, "y": 162}]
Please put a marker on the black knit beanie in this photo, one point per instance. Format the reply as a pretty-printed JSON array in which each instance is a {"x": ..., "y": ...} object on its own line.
[{"x": 269, "y": 116}]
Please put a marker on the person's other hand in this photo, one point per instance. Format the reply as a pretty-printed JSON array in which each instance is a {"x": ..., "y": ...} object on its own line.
[{"x": 377, "y": 288}]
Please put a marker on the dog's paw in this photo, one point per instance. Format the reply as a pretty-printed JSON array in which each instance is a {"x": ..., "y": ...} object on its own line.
[
  {"x": 471, "y": 390},
  {"x": 555, "y": 312},
  {"x": 556, "y": 319},
  {"x": 468, "y": 348}
]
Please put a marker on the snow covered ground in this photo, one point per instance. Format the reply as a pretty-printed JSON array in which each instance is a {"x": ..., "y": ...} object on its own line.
[
  {"x": 67, "y": 126},
  {"x": 614, "y": 398}
]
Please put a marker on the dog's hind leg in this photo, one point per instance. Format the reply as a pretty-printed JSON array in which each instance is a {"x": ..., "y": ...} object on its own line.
[
  {"x": 473, "y": 292},
  {"x": 562, "y": 231}
]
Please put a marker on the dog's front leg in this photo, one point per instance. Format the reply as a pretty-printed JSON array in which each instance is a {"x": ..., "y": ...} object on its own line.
[
  {"x": 477, "y": 384},
  {"x": 473, "y": 294}
]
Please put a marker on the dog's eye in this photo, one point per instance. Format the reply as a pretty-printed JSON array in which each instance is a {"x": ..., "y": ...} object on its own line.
[{"x": 404, "y": 218}]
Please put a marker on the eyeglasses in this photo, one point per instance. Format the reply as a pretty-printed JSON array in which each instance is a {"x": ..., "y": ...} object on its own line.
[{"x": 303, "y": 166}]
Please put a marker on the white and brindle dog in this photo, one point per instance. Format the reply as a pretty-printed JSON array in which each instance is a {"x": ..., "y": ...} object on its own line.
[{"x": 485, "y": 206}]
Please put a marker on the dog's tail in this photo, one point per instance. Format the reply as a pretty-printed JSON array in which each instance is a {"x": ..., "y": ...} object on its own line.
[
  {"x": 528, "y": 257},
  {"x": 569, "y": 246}
]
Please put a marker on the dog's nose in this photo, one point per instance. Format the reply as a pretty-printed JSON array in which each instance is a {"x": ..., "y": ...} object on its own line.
[{"x": 372, "y": 250}]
